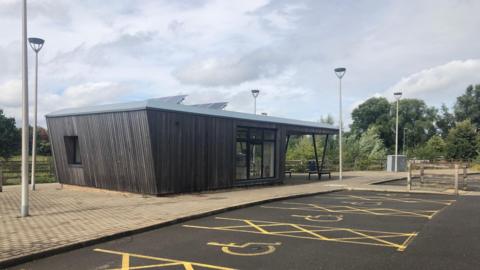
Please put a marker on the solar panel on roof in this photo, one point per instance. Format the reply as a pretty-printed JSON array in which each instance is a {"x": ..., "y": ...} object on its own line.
[
  {"x": 171, "y": 99},
  {"x": 215, "y": 105}
]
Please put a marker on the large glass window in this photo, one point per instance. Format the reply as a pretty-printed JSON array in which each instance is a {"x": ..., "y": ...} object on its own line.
[{"x": 255, "y": 155}]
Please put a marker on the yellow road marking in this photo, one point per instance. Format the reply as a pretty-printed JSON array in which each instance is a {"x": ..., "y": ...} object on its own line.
[
  {"x": 358, "y": 210},
  {"x": 322, "y": 233},
  {"x": 165, "y": 262},
  {"x": 226, "y": 248},
  {"x": 392, "y": 198},
  {"x": 318, "y": 218}
]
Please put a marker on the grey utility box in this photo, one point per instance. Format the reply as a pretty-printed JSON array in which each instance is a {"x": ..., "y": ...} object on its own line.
[{"x": 402, "y": 163}]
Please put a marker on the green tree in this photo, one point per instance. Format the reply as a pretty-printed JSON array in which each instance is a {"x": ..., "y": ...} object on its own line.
[
  {"x": 9, "y": 136},
  {"x": 434, "y": 148},
  {"x": 463, "y": 142},
  {"x": 364, "y": 150},
  {"x": 468, "y": 105},
  {"x": 414, "y": 115},
  {"x": 445, "y": 121}
]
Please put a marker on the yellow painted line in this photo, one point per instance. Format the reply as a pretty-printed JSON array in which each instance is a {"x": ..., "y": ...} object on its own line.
[
  {"x": 169, "y": 262},
  {"x": 125, "y": 262},
  {"x": 316, "y": 233},
  {"x": 390, "y": 198},
  {"x": 357, "y": 210},
  {"x": 226, "y": 248}
]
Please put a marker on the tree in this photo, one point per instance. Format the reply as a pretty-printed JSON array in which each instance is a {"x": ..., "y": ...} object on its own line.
[
  {"x": 434, "y": 148},
  {"x": 445, "y": 121},
  {"x": 327, "y": 120},
  {"x": 9, "y": 136},
  {"x": 463, "y": 141},
  {"x": 468, "y": 105},
  {"x": 364, "y": 149},
  {"x": 414, "y": 115}
]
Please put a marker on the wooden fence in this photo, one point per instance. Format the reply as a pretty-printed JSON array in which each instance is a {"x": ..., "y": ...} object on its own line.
[{"x": 10, "y": 172}]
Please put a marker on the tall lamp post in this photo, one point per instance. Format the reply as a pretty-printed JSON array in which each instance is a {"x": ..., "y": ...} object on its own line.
[
  {"x": 397, "y": 96},
  {"x": 340, "y": 72},
  {"x": 36, "y": 44},
  {"x": 255, "y": 93},
  {"x": 25, "y": 135}
]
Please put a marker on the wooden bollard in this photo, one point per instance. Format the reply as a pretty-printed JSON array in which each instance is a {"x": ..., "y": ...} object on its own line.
[
  {"x": 456, "y": 179},
  {"x": 409, "y": 176}
]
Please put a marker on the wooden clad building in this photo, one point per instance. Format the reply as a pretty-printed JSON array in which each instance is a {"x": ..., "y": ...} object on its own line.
[{"x": 161, "y": 147}]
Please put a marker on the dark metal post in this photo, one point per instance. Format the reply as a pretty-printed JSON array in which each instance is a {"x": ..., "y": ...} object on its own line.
[
  {"x": 316, "y": 155},
  {"x": 324, "y": 152},
  {"x": 286, "y": 145}
]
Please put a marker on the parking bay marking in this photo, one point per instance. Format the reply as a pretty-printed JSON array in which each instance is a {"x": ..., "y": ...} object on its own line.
[
  {"x": 391, "y": 198},
  {"x": 321, "y": 233},
  {"x": 125, "y": 257},
  {"x": 357, "y": 210},
  {"x": 321, "y": 218},
  {"x": 227, "y": 248}
]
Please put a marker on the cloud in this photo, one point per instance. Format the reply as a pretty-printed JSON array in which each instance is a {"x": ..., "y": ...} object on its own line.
[
  {"x": 48, "y": 101},
  {"x": 436, "y": 83},
  {"x": 233, "y": 70}
]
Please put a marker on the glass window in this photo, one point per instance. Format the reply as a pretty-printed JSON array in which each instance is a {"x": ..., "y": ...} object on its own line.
[
  {"x": 72, "y": 149},
  {"x": 255, "y": 153},
  {"x": 255, "y": 160},
  {"x": 268, "y": 159},
  {"x": 256, "y": 134},
  {"x": 241, "y": 161},
  {"x": 269, "y": 134},
  {"x": 242, "y": 133}
]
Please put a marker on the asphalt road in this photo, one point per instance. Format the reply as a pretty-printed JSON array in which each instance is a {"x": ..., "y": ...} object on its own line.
[{"x": 341, "y": 230}]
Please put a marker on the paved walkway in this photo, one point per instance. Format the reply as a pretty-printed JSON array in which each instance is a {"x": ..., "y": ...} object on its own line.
[{"x": 70, "y": 215}]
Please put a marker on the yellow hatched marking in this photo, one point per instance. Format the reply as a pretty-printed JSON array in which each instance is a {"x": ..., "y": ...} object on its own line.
[
  {"x": 321, "y": 233},
  {"x": 395, "y": 199},
  {"x": 357, "y": 210},
  {"x": 165, "y": 262}
]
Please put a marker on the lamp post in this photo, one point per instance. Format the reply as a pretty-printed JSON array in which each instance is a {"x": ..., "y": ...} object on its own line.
[
  {"x": 404, "y": 140},
  {"x": 397, "y": 96},
  {"x": 255, "y": 93},
  {"x": 340, "y": 72},
  {"x": 36, "y": 44},
  {"x": 25, "y": 135}
]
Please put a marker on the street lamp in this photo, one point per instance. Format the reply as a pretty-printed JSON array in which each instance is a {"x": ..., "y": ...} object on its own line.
[
  {"x": 397, "y": 96},
  {"x": 24, "y": 199},
  {"x": 255, "y": 93},
  {"x": 36, "y": 44},
  {"x": 340, "y": 72}
]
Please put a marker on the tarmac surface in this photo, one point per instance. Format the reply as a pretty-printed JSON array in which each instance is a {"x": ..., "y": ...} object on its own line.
[{"x": 338, "y": 230}]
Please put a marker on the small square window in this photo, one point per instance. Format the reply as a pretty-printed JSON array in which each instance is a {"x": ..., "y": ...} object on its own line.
[{"x": 72, "y": 147}]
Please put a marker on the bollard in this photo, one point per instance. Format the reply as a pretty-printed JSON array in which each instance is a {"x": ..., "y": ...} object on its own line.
[
  {"x": 409, "y": 176},
  {"x": 465, "y": 177},
  {"x": 456, "y": 179},
  {"x": 422, "y": 173}
]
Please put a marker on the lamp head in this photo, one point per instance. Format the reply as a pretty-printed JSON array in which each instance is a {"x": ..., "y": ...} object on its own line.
[
  {"x": 255, "y": 93},
  {"x": 397, "y": 95},
  {"x": 36, "y": 43},
  {"x": 340, "y": 72}
]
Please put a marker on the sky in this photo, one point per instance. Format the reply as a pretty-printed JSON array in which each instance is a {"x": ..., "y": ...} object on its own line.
[{"x": 100, "y": 52}]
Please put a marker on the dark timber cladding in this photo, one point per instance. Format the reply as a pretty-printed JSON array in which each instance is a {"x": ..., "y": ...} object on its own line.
[{"x": 154, "y": 147}]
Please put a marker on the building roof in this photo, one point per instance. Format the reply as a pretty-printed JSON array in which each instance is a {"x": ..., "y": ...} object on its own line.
[{"x": 171, "y": 104}]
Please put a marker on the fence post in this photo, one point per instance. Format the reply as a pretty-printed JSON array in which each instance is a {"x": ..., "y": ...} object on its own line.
[
  {"x": 409, "y": 176},
  {"x": 456, "y": 179},
  {"x": 1, "y": 177},
  {"x": 422, "y": 173},
  {"x": 465, "y": 177}
]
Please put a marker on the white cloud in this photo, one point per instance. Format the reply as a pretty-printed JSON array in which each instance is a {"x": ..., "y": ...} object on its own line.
[
  {"x": 440, "y": 83},
  {"x": 74, "y": 96}
]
